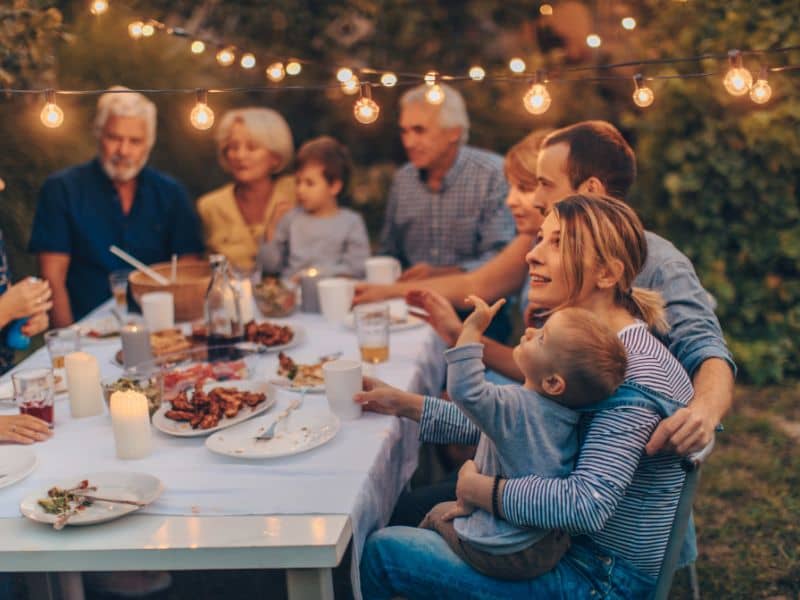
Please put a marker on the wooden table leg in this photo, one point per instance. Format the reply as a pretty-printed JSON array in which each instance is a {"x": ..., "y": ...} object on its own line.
[{"x": 309, "y": 584}]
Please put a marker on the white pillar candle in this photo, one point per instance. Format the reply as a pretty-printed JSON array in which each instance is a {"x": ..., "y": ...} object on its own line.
[
  {"x": 83, "y": 385},
  {"x": 246, "y": 303},
  {"x": 130, "y": 421}
]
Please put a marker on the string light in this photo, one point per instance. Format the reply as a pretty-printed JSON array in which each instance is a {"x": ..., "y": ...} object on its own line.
[
  {"x": 430, "y": 77},
  {"x": 388, "y": 79},
  {"x": 198, "y": 47},
  {"x": 293, "y": 68},
  {"x": 52, "y": 116},
  {"x": 226, "y": 56},
  {"x": 477, "y": 73},
  {"x": 434, "y": 94},
  {"x": 148, "y": 30},
  {"x": 98, "y": 7},
  {"x": 248, "y": 61},
  {"x": 593, "y": 40},
  {"x": 275, "y": 72},
  {"x": 546, "y": 10},
  {"x": 643, "y": 96},
  {"x": 135, "y": 30},
  {"x": 351, "y": 86},
  {"x": 344, "y": 75},
  {"x": 537, "y": 99},
  {"x": 517, "y": 65},
  {"x": 737, "y": 80},
  {"x": 629, "y": 23},
  {"x": 761, "y": 91},
  {"x": 202, "y": 117},
  {"x": 366, "y": 110}
]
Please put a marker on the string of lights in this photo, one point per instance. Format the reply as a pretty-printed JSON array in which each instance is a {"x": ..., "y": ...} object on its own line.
[{"x": 737, "y": 81}]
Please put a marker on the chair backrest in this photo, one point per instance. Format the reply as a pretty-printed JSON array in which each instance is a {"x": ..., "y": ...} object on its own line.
[{"x": 691, "y": 465}]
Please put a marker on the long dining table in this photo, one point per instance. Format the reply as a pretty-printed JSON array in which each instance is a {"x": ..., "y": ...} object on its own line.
[{"x": 298, "y": 513}]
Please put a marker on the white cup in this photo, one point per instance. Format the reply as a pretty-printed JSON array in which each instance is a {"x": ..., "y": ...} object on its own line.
[
  {"x": 158, "y": 310},
  {"x": 382, "y": 269},
  {"x": 336, "y": 297},
  {"x": 342, "y": 382}
]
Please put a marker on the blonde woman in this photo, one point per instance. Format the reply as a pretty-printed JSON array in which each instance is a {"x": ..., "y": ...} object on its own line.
[{"x": 254, "y": 145}]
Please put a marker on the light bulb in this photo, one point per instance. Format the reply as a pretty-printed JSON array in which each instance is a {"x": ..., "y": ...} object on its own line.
[
  {"x": 148, "y": 30},
  {"x": 293, "y": 68},
  {"x": 537, "y": 99},
  {"x": 351, "y": 86},
  {"x": 202, "y": 117},
  {"x": 629, "y": 23},
  {"x": 593, "y": 40},
  {"x": 434, "y": 94},
  {"x": 98, "y": 7},
  {"x": 248, "y": 61},
  {"x": 135, "y": 30},
  {"x": 546, "y": 10},
  {"x": 517, "y": 65},
  {"x": 388, "y": 79},
  {"x": 226, "y": 56},
  {"x": 344, "y": 74},
  {"x": 477, "y": 73},
  {"x": 737, "y": 81},
  {"x": 276, "y": 72},
  {"x": 52, "y": 116},
  {"x": 761, "y": 91},
  {"x": 198, "y": 47},
  {"x": 430, "y": 77},
  {"x": 643, "y": 97},
  {"x": 366, "y": 110}
]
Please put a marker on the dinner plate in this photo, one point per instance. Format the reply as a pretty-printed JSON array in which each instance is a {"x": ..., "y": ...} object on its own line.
[
  {"x": 298, "y": 338},
  {"x": 397, "y": 323},
  {"x": 302, "y": 431},
  {"x": 101, "y": 327},
  {"x": 16, "y": 463},
  {"x": 288, "y": 384},
  {"x": 117, "y": 485},
  {"x": 184, "y": 429}
]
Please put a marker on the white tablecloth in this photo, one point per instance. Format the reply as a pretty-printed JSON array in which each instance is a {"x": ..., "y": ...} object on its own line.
[{"x": 360, "y": 472}]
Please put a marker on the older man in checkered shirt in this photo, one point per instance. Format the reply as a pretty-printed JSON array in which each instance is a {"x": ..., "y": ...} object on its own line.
[{"x": 446, "y": 210}]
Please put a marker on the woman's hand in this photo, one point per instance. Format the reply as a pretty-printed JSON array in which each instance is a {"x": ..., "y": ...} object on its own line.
[
  {"x": 382, "y": 398},
  {"x": 441, "y": 314},
  {"x": 372, "y": 292},
  {"x": 36, "y": 324},
  {"x": 23, "y": 429},
  {"x": 23, "y": 299}
]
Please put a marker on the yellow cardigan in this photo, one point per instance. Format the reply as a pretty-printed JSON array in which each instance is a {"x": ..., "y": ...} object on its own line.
[{"x": 225, "y": 229}]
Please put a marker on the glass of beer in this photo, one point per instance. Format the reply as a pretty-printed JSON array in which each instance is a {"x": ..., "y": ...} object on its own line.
[
  {"x": 372, "y": 328},
  {"x": 61, "y": 342},
  {"x": 118, "y": 280},
  {"x": 33, "y": 390}
]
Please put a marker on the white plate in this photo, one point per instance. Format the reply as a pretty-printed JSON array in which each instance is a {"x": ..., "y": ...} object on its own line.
[
  {"x": 123, "y": 486},
  {"x": 410, "y": 322},
  {"x": 300, "y": 432},
  {"x": 287, "y": 384},
  {"x": 299, "y": 338},
  {"x": 101, "y": 327},
  {"x": 183, "y": 429},
  {"x": 16, "y": 463}
]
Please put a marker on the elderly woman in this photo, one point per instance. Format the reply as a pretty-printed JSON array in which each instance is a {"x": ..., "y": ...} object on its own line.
[{"x": 254, "y": 144}]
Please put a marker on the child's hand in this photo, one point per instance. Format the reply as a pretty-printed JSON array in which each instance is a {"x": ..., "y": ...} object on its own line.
[
  {"x": 461, "y": 509},
  {"x": 483, "y": 314}
]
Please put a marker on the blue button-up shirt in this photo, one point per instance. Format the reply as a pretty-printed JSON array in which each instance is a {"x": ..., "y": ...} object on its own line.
[
  {"x": 79, "y": 213},
  {"x": 464, "y": 224},
  {"x": 6, "y": 353}
]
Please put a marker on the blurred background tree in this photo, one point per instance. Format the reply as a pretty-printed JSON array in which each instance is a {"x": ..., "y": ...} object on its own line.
[{"x": 717, "y": 175}]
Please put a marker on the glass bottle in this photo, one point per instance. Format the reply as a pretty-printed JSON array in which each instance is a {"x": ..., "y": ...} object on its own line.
[{"x": 222, "y": 311}]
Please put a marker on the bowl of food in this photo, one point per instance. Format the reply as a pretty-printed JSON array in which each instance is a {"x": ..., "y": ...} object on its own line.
[
  {"x": 150, "y": 384},
  {"x": 188, "y": 290},
  {"x": 275, "y": 298}
]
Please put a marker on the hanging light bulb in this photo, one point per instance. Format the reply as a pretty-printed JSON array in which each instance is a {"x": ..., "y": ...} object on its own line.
[
  {"x": 643, "y": 96},
  {"x": 366, "y": 110},
  {"x": 226, "y": 56},
  {"x": 737, "y": 80},
  {"x": 517, "y": 65},
  {"x": 276, "y": 72},
  {"x": 546, "y": 10},
  {"x": 344, "y": 74},
  {"x": 351, "y": 86},
  {"x": 248, "y": 61},
  {"x": 388, "y": 79},
  {"x": 148, "y": 30},
  {"x": 434, "y": 94},
  {"x": 593, "y": 40},
  {"x": 98, "y": 7},
  {"x": 198, "y": 47},
  {"x": 202, "y": 117},
  {"x": 537, "y": 99},
  {"x": 431, "y": 77},
  {"x": 135, "y": 29},
  {"x": 761, "y": 91},
  {"x": 52, "y": 116},
  {"x": 477, "y": 73},
  {"x": 629, "y": 23},
  {"x": 293, "y": 68}
]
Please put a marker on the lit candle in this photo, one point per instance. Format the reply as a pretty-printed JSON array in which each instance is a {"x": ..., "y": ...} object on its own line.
[
  {"x": 135, "y": 345},
  {"x": 83, "y": 385},
  {"x": 308, "y": 289},
  {"x": 246, "y": 302},
  {"x": 130, "y": 421}
]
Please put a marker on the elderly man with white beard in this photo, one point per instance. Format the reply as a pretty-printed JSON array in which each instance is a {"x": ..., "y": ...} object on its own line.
[{"x": 112, "y": 199}]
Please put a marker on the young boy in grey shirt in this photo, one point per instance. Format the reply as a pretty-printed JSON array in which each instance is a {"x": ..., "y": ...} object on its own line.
[
  {"x": 574, "y": 361},
  {"x": 319, "y": 233}
]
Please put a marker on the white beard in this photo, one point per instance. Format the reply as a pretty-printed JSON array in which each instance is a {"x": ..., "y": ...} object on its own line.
[{"x": 119, "y": 169}]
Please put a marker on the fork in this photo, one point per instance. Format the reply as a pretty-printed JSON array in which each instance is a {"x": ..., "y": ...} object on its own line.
[{"x": 269, "y": 433}]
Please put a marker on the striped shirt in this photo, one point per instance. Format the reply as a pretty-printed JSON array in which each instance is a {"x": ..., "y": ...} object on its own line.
[
  {"x": 464, "y": 224},
  {"x": 624, "y": 500}
]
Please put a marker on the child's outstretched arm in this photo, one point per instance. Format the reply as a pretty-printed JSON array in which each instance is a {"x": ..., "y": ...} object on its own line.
[{"x": 478, "y": 321}]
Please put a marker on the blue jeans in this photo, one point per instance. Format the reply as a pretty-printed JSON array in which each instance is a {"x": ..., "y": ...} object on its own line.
[{"x": 418, "y": 563}]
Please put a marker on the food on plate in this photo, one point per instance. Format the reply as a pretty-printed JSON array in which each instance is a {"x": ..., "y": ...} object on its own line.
[
  {"x": 150, "y": 386},
  {"x": 204, "y": 410},
  {"x": 268, "y": 334},
  {"x": 168, "y": 341},
  {"x": 61, "y": 501},
  {"x": 301, "y": 375},
  {"x": 179, "y": 380},
  {"x": 274, "y": 298}
]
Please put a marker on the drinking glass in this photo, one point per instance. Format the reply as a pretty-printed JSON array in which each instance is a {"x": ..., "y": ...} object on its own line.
[
  {"x": 118, "y": 280},
  {"x": 372, "y": 329},
  {"x": 61, "y": 342},
  {"x": 34, "y": 390}
]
